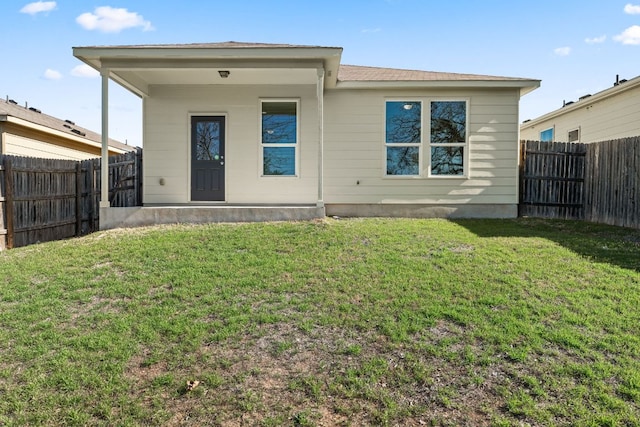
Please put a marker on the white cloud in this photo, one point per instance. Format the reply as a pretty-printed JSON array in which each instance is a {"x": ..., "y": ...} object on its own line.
[
  {"x": 50, "y": 74},
  {"x": 111, "y": 20},
  {"x": 595, "y": 40},
  {"x": 629, "y": 36},
  {"x": 632, "y": 9},
  {"x": 562, "y": 51},
  {"x": 38, "y": 6},
  {"x": 84, "y": 70}
]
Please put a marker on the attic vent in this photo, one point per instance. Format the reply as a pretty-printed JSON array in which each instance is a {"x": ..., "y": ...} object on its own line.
[
  {"x": 11, "y": 101},
  {"x": 584, "y": 97},
  {"x": 35, "y": 110},
  {"x": 76, "y": 131},
  {"x": 67, "y": 126},
  {"x": 70, "y": 122}
]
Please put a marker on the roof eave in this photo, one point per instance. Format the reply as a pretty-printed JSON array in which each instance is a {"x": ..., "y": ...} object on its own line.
[
  {"x": 525, "y": 86},
  {"x": 94, "y": 57}
]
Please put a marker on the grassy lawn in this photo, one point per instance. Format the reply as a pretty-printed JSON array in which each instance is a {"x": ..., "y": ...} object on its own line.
[{"x": 332, "y": 322}]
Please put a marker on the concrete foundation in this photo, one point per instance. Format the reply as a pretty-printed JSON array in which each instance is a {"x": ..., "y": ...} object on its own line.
[
  {"x": 147, "y": 215},
  {"x": 422, "y": 211},
  {"x": 151, "y": 215}
]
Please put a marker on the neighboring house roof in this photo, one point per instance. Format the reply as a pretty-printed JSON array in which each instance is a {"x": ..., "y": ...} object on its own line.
[
  {"x": 32, "y": 117},
  {"x": 137, "y": 67},
  {"x": 618, "y": 87}
]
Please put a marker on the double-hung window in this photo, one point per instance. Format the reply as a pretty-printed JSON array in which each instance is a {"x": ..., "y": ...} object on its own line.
[
  {"x": 403, "y": 137},
  {"x": 279, "y": 140},
  {"x": 448, "y": 139},
  {"x": 441, "y": 152}
]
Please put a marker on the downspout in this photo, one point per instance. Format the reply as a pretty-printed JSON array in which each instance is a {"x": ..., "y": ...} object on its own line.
[
  {"x": 104, "y": 169},
  {"x": 320, "y": 96}
]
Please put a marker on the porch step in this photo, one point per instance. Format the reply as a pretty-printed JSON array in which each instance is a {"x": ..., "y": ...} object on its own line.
[{"x": 147, "y": 215}]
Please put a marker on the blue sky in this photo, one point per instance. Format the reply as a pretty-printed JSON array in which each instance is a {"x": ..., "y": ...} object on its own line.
[{"x": 574, "y": 47}]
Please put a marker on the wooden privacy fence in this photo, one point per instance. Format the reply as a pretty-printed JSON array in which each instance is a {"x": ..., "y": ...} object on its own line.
[
  {"x": 48, "y": 199},
  {"x": 552, "y": 179},
  {"x": 596, "y": 182}
]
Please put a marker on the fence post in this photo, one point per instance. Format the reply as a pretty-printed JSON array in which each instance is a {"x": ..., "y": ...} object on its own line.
[
  {"x": 138, "y": 176},
  {"x": 8, "y": 180},
  {"x": 78, "y": 199}
]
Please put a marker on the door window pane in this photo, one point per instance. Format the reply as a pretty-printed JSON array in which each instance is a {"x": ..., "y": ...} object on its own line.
[{"x": 207, "y": 140}]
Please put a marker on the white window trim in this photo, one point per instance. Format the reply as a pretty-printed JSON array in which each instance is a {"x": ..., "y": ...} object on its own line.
[
  {"x": 573, "y": 130},
  {"x": 466, "y": 150},
  {"x": 553, "y": 133},
  {"x": 261, "y": 146},
  {"x": 420, "y": 144}
]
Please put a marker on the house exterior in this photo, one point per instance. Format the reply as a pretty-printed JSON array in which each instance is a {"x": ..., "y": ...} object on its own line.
[
  {"x": 26, "y": 131},
  {"x": 233, "y": 124},
  {"x": 610, "y": 114}
]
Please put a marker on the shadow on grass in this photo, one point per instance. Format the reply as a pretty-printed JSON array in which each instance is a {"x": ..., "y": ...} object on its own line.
[{"x": 597, "y": 242}]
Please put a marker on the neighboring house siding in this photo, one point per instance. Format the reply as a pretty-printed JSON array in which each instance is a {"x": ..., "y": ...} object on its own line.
[
  {"x": 21, "y": 146},
  {"x": 616, "y": 116},
  {"x": 167, "y": 143},
  {"x": 355, "y": 150}
]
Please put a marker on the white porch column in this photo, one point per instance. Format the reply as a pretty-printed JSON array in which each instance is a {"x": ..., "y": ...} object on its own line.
[
  {"x": 104, "y": 170},
  {"x": 320, "y": 96}
]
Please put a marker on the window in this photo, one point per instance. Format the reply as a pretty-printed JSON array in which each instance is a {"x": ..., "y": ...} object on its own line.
[
  {"x": 279, "y": 137},
  {"x": 546, "y": 135},
  {"x": 403, "y": 138},
  {"x": 574, "y": 135},
  {"x": 448, "y": 138}
]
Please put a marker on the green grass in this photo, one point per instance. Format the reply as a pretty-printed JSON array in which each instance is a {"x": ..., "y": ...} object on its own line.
[{"x": 332, "y": 322}]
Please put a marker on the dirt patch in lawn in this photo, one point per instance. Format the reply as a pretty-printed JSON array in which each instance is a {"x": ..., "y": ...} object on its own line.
[{"x": 280, "y": 374}]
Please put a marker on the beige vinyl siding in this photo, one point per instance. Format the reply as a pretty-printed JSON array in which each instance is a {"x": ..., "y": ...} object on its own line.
[
  {"x": 354, "y": 154},
  {"x": 167, "y": 143},
  {"x": 615, "y": 117},
  {"x": 20, "y": 146}
]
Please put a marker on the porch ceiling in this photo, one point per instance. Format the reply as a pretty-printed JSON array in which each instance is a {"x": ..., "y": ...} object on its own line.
[
  {"x": 137, "y": 68},
  {"x": 140, "y": 80}
]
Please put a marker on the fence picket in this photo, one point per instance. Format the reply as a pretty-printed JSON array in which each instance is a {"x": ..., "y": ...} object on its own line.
[
  {"x": 47, "y": 199},
  {"x": 597, "y": 182}
]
